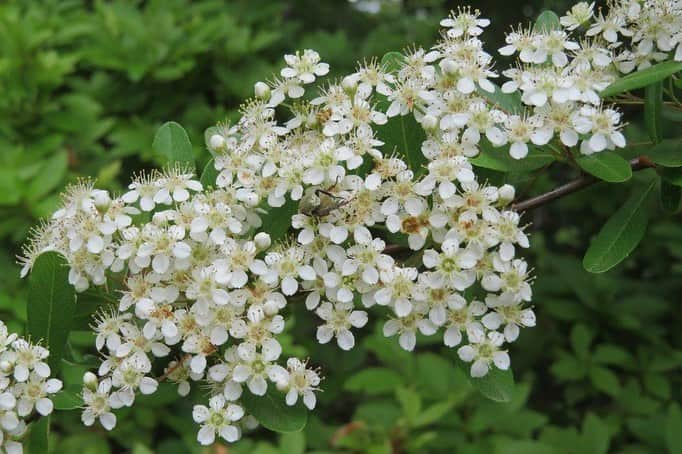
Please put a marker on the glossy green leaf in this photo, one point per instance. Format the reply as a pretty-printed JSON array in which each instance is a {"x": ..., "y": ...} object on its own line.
[
  {"x": 642, "y": 78},
  {"x": 209, "y": 174},
  {"x": 509, "y": 102},
  {"x": 621, "y": 233},
  {"x": 546, "y": 22},
  {"x": 404, "y": 135},
  {"x": 172, "y": 143},
  {"x": 276, "y": 221},
  {"x": 38, "y": 438},
  {"x": 668, "y": 153},
  {"x": 273, "y": 413},
  {"x": 670, "y": 196},
  {"x": 500, "y": 160},
  {"x": 653, "y": 111},
  {"x": 607, "y": 166},
  {"x": 51, "y": 304}
]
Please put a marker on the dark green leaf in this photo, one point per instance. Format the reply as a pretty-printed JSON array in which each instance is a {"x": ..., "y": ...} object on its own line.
[
  {"x": 497, "y": 385},
  {"x": 607, "y": 166},
  {"x": 581, "y": 338},
  {"x": 668, "y": 153},
  {"x": 642, "y": 78},
  {"x": 653, "y": 111},
  {"x": 404, "y": 135},
  {"x": 605, "y": 380},
  {"x": 38, "y": 436},
  {"x": 273, "y": 413},
  {"x": 500, "y": 160},
  {"x": 172, "y": 143},
  {"x": 276, "y": 221},
  {"x": 670, "y": 196},
  {"x": 51, "y": 304},
  {"x": 209, "y": 174},
  {"x": 68, "y": 399},
  {"x": 595, "y": 435},
  {"x": 673, "y": 429},
  {"x": 546, "y": 22},
  {"x": 621, "y": 233},
  {"x": 509, "y": 102}
]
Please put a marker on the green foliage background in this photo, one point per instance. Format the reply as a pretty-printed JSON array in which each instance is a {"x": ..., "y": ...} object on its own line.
[{"x": 86, "y": 84}]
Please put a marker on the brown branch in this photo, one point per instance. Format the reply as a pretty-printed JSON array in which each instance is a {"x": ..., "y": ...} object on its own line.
[{"x": 585, "y": 180}]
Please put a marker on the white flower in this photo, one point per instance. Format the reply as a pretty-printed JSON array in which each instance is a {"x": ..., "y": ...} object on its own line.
[
  {"x": 484, "y": 351},
  {"x": 218, "y": 418},
  {"x": 256, "y": 366},
  {"x": 304, "y": 67},
  {"x": 339, "y": 318}
]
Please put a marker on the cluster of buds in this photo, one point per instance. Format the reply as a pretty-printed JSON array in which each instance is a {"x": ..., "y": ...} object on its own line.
[
  {"x": 206, "y": 288},
  {"x": 25, "y": 388}
]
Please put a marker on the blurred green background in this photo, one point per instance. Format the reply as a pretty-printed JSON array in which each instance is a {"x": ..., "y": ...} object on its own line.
[{"x": 83, "y": 87}]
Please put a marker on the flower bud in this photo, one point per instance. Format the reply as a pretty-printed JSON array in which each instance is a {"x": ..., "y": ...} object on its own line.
[
  {"x": 449, "y": 67},
  {"x": 216, "y": 142},
  {"x": 429, "y": 122},
  {"x": 6, "y": 367},
  {"x": 261, "y": 90},
  {"x": 349, "y": 84},
  {"x": 262, "y": 240},
  {"x": 507, "y": 193},
  {"x": 90, "y": 381}
]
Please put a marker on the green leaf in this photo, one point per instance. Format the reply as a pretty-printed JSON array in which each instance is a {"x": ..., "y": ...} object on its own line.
[
  {"x": 607, "y": 166},
  {"x": 673, "y": 429},
  {"x": 672, "y": 175},
  {"x": 273, "y": 413},
  {"x": 497, "y": 385},
  {"x": 509, "y": 102},
  {"x": 392, "y": 61},
  {"x": 172, "y": 143},
  {"x": 38, "y": 438},
  {"x": 51, "y": 304},
  {"x": 670, "y": 196},
  {"x": 668, "y": 153},
  {"x": 404, "y": 135},
  {"x": 653, "y": 111},
  {"x": 374, "y": 380},
  {"x": 68, "y": 398},
  {"x": 621, "y": 233},
  {"x": 595, "y": 435},
  {"x": 500, "y": 160},
  {"x": 642, "y": 78},
  {"x": 209, "y": 174},
  {"x": 50, "y": 176},
  {"x": 411, "y": 403},
  {"x": 546, "y": 22},
  {"x": 433, "y": 413},
  {"x": 605, "y": 380},
  {"x": 581, "y": 338},
  {"x": 610, "y": 354},
  {"x": 276, "y": 221}
]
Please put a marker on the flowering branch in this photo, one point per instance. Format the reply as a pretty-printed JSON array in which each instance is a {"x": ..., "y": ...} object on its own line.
[{"x": 585, "y": 180}]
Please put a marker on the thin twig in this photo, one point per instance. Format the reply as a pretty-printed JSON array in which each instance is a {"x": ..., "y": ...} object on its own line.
[{"x": 585, "y": 180}]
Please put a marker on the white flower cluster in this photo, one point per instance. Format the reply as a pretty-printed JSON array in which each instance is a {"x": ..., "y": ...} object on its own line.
[
  {"x": 25, "y": 388},
  {"x": 639, "y": 32},
  {"x": 204, "y": 285}
]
